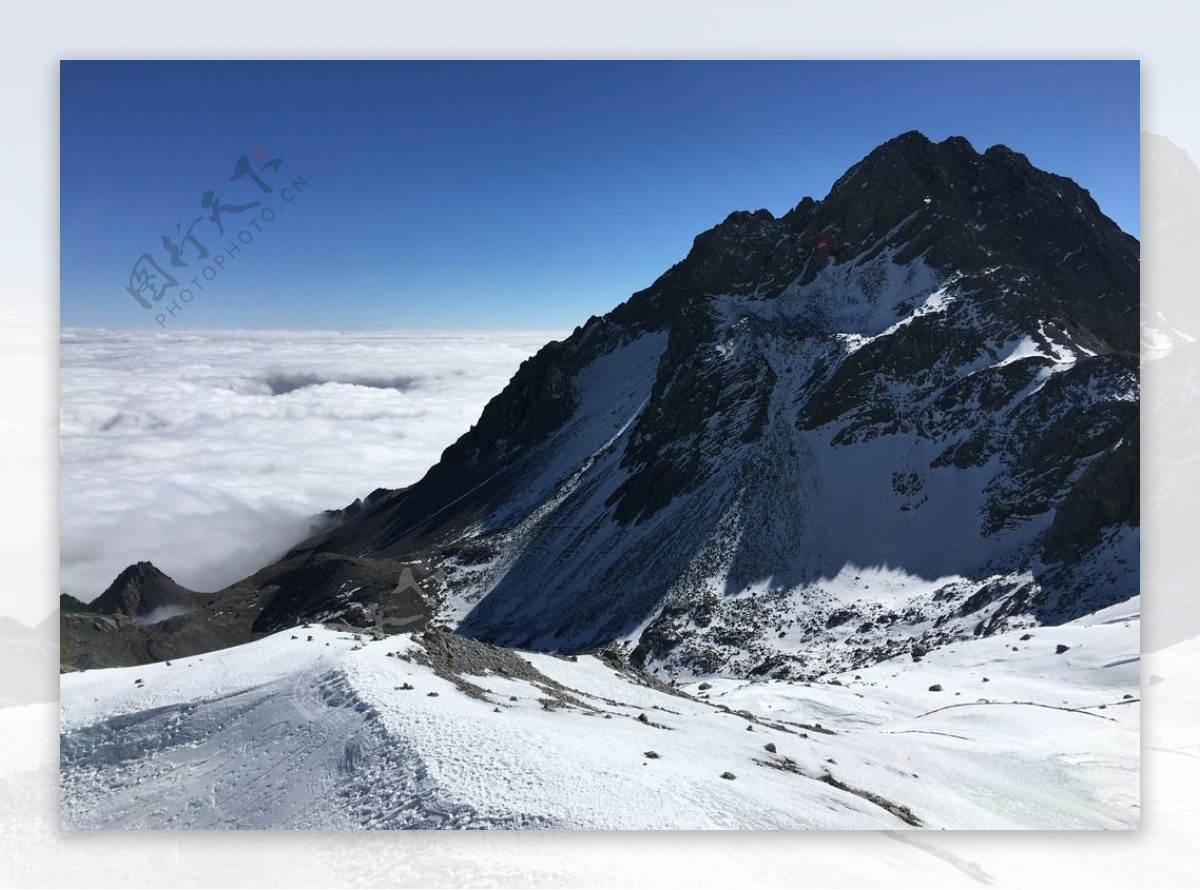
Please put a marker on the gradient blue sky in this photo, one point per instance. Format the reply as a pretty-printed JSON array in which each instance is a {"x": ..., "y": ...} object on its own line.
[{"x": 462, "y": 195}]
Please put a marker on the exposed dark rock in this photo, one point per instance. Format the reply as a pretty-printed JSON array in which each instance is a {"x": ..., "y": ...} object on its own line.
[
  {"x": 139, "y": 591},
  {"x": 68, "y": 603},
  {"x": 359, "y": 592}
]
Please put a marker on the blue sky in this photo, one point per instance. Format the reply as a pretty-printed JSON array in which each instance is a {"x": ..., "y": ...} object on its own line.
[{"x": 504, "y": 195}]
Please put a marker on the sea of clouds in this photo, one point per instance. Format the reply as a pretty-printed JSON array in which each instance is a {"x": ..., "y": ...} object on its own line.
[{"x": 210, "y": 453}]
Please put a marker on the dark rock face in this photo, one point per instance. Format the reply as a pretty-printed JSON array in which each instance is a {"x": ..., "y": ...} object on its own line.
[
  {"x": 68, "y": 603},
  {"x": 158, "y": 620},
  {"x": 901, "y": 415},
  {"x": 139, "y": 590},
  {"x": 142, "y": 616},
  {"x": 353, "y": 591}
]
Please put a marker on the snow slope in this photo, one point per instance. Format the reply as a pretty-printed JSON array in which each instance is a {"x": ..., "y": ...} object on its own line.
[{"x": 314, "y": 728}]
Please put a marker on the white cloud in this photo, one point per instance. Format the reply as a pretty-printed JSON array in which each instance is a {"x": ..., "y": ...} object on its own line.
[{"x": 208, "y": 453}]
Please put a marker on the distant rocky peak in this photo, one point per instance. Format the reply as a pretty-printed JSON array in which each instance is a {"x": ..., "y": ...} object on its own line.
[{"x": 138, "y": 590}]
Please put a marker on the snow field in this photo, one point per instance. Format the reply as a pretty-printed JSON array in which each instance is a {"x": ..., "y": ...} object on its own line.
[{"x": 293, "y": 732}]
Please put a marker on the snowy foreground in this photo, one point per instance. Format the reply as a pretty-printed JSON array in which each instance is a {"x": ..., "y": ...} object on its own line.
[{"x": 292, "y": 732}]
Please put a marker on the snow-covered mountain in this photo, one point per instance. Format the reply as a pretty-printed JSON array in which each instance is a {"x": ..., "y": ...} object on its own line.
[
  {"x": 900, "y": 416},
  {"x": 834, "y": 525},
  {"x": 908, "y": 412}
]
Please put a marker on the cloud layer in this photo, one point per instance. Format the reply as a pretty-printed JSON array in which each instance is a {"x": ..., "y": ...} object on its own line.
[{"x": 209, "y": 453}]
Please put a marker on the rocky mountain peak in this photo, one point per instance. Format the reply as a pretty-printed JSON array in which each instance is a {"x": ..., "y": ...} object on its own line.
[
  {"x": 139, "y": 590},
  {"x": 905, "y": 413},
  {"x": 957, "y": 210}
]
